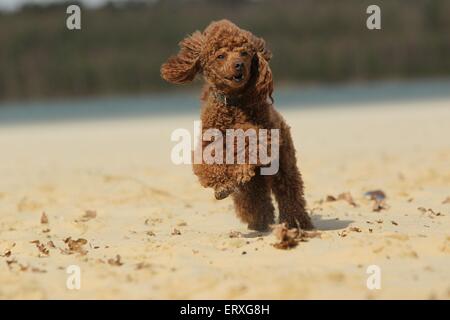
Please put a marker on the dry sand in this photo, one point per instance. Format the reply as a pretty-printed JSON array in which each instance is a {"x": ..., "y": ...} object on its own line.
[{"x": 112, "y": 183}]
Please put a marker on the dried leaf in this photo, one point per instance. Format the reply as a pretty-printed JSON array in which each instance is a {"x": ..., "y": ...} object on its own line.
[
  {"x": 176, "y": 232},
  {"x": 288, "y": 238},
  {"x": 44, "y": 218},
  {"x": 343, "y": 234},
  {"x": 93, "y": 246},
  {"x": 347, "y": 197},
  {"x": 379, "y": 198},
  {"x": 153, "y": 221},
  {"x": 431, "y": 212},
  {"x": 422, "y": 210},
  {"x": 6, "y": 254},
  {"x": 115, "y": 262},
  {"x": 74, "y": 246},
  {"x": 375, "y": 195},
  {"x": 234, "y": 234},
  {"x": 37, "y": 270},
  {"x": 23, "y": 267},
  {"x": 10, "y": 263},
  {"x": 330, "y": 198},
  {"x": 41, "y": 247},
  {"x": 379, "y": 205}
]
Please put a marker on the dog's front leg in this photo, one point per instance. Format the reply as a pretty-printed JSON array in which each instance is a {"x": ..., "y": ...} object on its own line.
[
  {"x": 222, "y": 178},
  {"x": 234, "y": 167}
]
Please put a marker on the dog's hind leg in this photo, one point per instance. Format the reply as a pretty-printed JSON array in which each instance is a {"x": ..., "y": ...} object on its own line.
[
  {"x": 287, "y": 186},
  {"x": 253, "y": 203}
]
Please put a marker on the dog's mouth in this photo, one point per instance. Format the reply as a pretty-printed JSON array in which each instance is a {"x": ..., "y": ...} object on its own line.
[{"x": 238, "y": 78}]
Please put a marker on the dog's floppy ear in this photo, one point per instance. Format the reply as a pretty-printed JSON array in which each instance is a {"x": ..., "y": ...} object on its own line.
[
  {"x": 261, "y": 48},
  {"x": 264, "y": 80},
  {"x": 185, "y": 65}
]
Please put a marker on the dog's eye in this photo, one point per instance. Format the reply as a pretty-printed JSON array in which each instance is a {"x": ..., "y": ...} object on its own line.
[
  {"x": 244, "y": 53},
  {"x": 220, "y": 57}
]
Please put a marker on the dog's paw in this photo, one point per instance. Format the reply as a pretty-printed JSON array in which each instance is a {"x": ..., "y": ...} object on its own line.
[
  {"x": 306, "y": 223},
  {"x": 302, "y": 221},
  {"x": 222, "y": 193},
  {"x": 259, "y": 226}
]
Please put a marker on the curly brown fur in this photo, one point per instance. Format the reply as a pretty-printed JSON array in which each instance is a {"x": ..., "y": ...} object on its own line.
[{"x": 235, "y": 65}]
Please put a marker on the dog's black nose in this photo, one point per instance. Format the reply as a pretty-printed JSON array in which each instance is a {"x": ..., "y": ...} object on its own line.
[{"x": 238, "y": 65}]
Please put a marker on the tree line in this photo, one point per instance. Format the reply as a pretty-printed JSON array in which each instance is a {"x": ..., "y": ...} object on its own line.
[{"x": 119, "y": 49}]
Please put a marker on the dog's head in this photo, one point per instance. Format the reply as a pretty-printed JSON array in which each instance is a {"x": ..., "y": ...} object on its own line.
[{"x": 231, "y": 60}]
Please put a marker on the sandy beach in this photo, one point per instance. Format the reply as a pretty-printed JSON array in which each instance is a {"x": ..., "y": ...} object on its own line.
[{"x": 140, "y": 227}]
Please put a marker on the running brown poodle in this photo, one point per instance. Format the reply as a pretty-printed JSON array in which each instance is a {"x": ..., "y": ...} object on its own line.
[{"x": 238, "y": 95}]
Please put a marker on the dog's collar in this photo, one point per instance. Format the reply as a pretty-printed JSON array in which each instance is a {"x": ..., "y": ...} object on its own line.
[{"x": 228, "y": 101}]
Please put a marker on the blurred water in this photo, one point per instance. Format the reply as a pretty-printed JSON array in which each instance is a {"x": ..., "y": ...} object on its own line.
[{"x": 182, "y": 103}]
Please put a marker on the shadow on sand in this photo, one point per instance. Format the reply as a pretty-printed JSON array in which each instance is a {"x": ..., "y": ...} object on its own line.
[
  {"x": 320, "y": 224},
  {"x": 329, "y": 224},
  {"x": 256, "y": 234}
]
